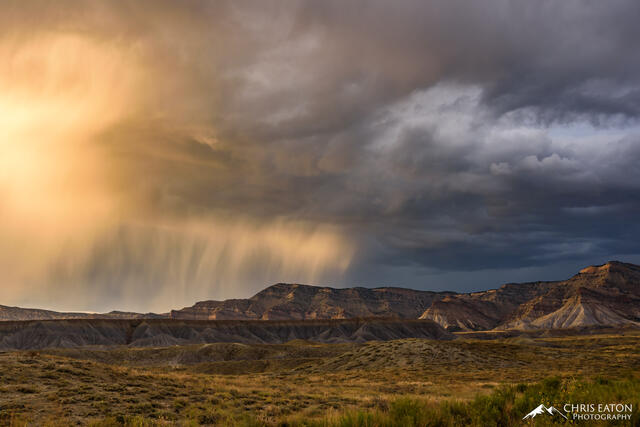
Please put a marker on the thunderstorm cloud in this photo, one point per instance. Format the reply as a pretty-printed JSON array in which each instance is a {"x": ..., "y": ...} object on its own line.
[{"x": 154, "y": 153}]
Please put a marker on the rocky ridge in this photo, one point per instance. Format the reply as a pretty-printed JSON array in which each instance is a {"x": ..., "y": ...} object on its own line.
[
  {"x": 602, "y": 295},
  {"x": 295, "y": 301}
]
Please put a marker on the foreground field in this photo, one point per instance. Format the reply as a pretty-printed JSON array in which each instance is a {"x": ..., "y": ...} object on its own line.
[{"x": 404, "y": 382}]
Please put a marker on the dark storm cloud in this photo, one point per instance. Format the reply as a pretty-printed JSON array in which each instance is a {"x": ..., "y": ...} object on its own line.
[
  {"x": 447, "y": 135},
  {"x": 307, "y": 95}
]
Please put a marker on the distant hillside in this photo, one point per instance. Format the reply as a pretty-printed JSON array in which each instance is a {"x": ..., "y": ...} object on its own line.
[
  {"x": 604, "y": 295},
  {"x": 18, "y": 313},
  {"x": 293, "y": 301}
]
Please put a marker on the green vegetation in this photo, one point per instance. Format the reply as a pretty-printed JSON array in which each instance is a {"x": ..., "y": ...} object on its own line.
[
  {"x": 504, "y": 407},
  {"x": 406, "y": 382}
]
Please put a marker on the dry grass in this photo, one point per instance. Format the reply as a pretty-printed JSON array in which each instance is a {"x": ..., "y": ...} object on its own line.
[{"x": 231, "y": 384}]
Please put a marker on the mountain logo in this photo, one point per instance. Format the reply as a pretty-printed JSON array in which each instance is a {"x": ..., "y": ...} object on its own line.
[{"x": 541, "y": 409}]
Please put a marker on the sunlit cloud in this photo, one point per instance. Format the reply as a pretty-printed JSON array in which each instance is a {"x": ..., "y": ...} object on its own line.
[
  {"x": 153, "y": 153},
  {"x": 69, "y": 234}
]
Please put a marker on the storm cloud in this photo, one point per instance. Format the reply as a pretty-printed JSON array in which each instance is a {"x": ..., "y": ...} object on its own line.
[{"x": 159, "y": 152}]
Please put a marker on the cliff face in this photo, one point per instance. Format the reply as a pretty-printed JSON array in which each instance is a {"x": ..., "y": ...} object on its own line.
[
  {"x": 483, "y": 310},
  {"x": 608, "y": 294},
  {"x": 293, "y": 301},
  {"x": 598, "y": 295}
]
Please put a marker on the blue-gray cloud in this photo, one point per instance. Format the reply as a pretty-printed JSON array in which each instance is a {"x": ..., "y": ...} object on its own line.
[{"x": 440, "y": 137}]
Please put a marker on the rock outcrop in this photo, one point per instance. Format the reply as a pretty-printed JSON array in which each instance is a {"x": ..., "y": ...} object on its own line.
[
  {"x": 294, "y": 301},
  {"x": 608, "y": 294},
  {"x": 605, "y": 295}
]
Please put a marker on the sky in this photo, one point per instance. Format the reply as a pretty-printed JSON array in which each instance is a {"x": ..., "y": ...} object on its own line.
[{"x": 155, "y": 153}]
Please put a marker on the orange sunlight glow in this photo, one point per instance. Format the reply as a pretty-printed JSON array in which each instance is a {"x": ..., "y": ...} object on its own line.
[{"x": 57, "y": 95}]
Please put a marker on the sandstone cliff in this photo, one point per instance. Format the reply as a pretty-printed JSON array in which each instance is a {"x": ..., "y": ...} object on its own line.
[
  {"x": 605, "y": 295},
  {"x": 294, "y": 301}
]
